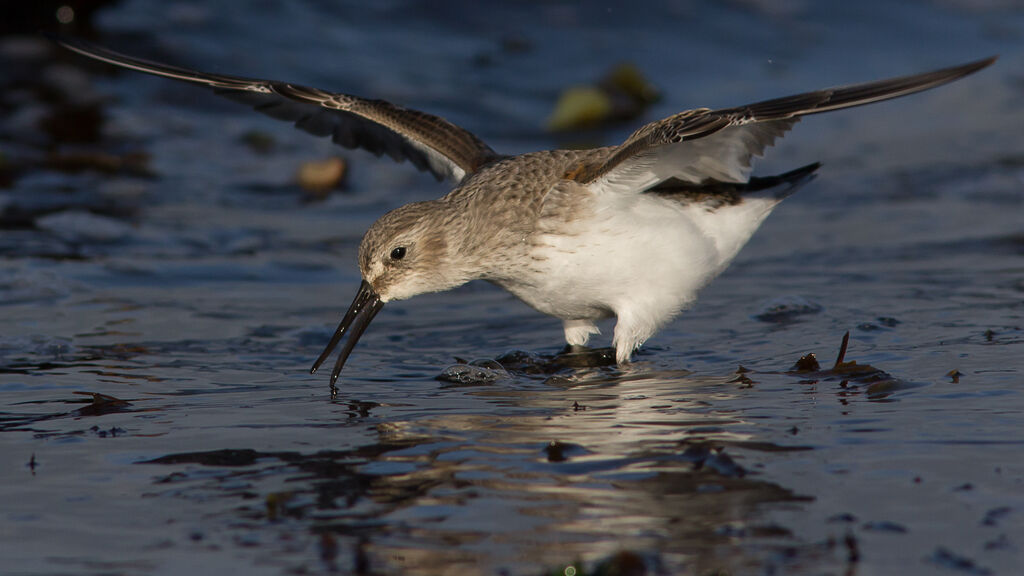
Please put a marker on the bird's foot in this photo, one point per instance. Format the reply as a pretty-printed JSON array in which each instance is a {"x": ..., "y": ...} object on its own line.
[{"x": 583, "y": 357}]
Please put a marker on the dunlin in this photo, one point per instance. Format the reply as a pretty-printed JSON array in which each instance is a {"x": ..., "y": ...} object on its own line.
[{"x": 630, "y": 231}]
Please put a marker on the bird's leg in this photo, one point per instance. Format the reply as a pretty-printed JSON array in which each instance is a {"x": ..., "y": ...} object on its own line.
[
  {"x": 577, "y": 332},
  {"x": 576, "y": 354},
  {"x": 631, "y": 331}
]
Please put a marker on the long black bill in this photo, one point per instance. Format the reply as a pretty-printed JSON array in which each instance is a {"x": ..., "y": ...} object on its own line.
[{"x": 365, "y": 306}]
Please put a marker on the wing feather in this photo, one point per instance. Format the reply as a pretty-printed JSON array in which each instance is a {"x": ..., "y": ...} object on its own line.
[
  {"x": 429, "y": 142},
  {"x": 703, "y": 144}
]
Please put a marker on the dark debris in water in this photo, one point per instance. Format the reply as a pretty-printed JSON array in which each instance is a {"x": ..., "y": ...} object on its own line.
[
  {"x": 762, "y": 446},
  {"x": 948, "y": 559},
  {"x": 101, "y": 404},
  {"x": 622, "y": 563},
  {"x": 880, "y": 323},
  {"x": 842, "y": 518},
  {"x": 1001, "y": 542},
  {"x": 704, "y": 456},
  {"x": 475, "y": 373},
  {"x": 742, "y": 379},
  {"x": 995, "y": 515},
  {"x": 852, "y": 550},
  {"x": 806, "y": 363},
  {"x": 97, "y": 404},
  {"x": 563, "y": 369},
  {"x": 277, "y": 504},
  {"x": 113, "y": 432},
  {"x": 569, "y": 358},
  {"x": 226, "y": 457},
  {"x": 580, "y": 357},
  {"x": 885, "y": 526},
  {"x": 519, "y": 363},
  {"x": 1006, "y": 334},
  {"x": 557, "y": 451},
  {"x": 874, "y": 382},
  {"x": 330, "y": 480}
]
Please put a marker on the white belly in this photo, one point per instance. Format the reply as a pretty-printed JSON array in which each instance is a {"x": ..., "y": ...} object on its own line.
[{"x": 642, "y": 256}]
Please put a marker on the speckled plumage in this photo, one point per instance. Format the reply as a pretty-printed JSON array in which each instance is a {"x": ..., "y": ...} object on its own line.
[{"x": 631, "y": 231}]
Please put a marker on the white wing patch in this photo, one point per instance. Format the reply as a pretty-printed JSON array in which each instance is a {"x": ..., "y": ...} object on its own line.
[{"x": 724, "y": 156}]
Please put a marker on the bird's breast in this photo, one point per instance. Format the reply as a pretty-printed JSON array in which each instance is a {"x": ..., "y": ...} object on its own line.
[{"x": 612, "y": 254}]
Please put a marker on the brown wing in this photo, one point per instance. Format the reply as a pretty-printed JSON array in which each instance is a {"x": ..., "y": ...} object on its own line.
[
  {"x": 429, "y": 142},
  {"x": 703, "y": 144}
]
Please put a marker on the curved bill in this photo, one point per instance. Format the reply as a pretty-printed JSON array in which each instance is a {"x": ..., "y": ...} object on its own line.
[{"x": 365, "y": 306}]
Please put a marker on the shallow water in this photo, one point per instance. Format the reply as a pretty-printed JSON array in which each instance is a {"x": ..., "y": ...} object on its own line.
[{"x": 187, "y": 295}]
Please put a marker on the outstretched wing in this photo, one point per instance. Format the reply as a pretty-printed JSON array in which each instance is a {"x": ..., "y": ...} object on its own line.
[
  {"x": 701, "y": 145},
  {"x": 429, "y": 142}
]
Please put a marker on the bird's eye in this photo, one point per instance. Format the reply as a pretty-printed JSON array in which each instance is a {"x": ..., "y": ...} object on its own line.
[{"x": 398, "y": 253}]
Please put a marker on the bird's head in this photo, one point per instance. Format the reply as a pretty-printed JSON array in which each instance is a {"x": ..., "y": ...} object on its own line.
[{"x": 404, "y": 253}]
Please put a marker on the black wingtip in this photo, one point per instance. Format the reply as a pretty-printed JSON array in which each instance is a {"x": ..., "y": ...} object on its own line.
[
  {"x": 798, "y": 173},
  {"x": 785, "y": 184},
  {"x": 986, "y": 62},
  {"x": 969, "y": 68}
]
